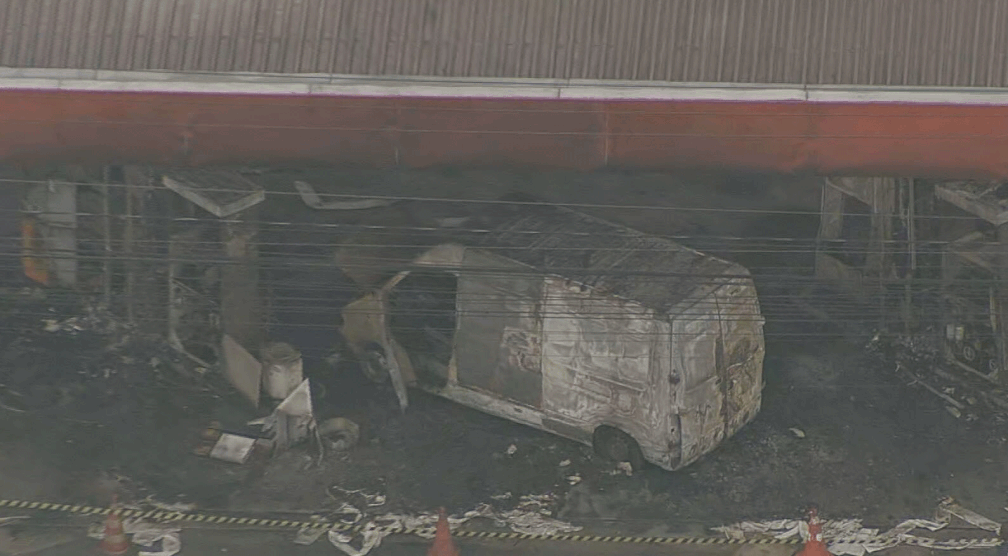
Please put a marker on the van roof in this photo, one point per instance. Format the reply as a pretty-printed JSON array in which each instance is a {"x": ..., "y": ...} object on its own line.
[{"x": 609, "y": 258}]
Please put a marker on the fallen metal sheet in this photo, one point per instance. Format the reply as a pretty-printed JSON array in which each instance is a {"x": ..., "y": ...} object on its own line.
[
  {"x": 292, "y": 421},
  {"x": 950, "y": 508},
  {"x": 849, "y": 537},
  {"x": 233, "y": 448},
  {"x": 242, "y": 369},
  {"x": 314, "y": 200},
  {"x": 298, "y": 403}
]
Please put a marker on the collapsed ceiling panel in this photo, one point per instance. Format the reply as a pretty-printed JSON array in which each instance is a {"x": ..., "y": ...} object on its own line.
[{"x": 219, "y": 192}]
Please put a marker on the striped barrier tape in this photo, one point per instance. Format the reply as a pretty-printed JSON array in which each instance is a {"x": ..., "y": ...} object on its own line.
[{"x": 192, "y": 517}]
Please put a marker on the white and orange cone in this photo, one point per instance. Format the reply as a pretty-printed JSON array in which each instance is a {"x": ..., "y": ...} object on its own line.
[
  {"x": 814, "y": 546},
  {"x": 443, "y": 543},
  {"x": 114, "y": 541}
]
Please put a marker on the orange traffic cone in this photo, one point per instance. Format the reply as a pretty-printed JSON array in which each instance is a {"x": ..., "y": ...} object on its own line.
[
  {"x": 443, "y": 544},
  {"x": 114, "y": 542},
  {"x": 814, "y": 546}
]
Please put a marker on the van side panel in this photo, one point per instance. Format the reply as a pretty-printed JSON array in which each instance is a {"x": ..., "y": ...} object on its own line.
[
  {"x": 696, "y": 337},
  {"x": 497, "y": 343},
  {"x": 597, "y": 363},
  {"x": 719, "y": 348},
  {"x": 742, "y": 330}
]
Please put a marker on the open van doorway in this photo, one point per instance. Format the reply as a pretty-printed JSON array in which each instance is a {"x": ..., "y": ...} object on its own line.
[{"x": 422, "y": 319}]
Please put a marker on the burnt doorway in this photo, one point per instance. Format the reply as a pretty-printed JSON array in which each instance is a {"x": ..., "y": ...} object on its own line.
[{"x": 422, "y": 318}]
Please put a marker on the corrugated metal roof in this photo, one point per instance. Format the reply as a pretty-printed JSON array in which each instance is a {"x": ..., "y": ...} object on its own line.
[
  {"x": 866, "y": 42},
  {"x": 609, "y": 258}
]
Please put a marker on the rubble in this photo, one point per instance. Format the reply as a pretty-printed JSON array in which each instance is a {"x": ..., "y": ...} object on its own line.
[
  {"x": 153, "y": 539},
  {"x": 292, "y": 421},
  {"x": 95, "y": 319},
  {"x": 850, "y": 537},
  {"x": 306, "y": 537},
  {"x": 104, "y": 368},
  {"x": 532, "y": 515},
  {"x": 919, "y": 361},
  {"x": 370, "y": 539},
  {"x": 949, "y": 508},
  {"x": 370, "y": 500}
]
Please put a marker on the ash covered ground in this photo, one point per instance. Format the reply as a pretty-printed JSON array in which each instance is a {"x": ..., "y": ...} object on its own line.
[{"x": 100, "y": 410}]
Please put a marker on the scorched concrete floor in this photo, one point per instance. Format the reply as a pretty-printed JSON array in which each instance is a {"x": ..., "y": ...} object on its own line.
[{"x": 871, "y": 447}]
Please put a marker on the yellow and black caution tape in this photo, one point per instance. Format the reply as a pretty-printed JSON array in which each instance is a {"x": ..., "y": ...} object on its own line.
[{"x": 193, "y": 517}]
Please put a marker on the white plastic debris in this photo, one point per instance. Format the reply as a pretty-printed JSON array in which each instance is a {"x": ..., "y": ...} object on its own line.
[
  {"x": 625, "y": 467},
  {"x": 512, "y": 449},
  {"x": 949, "y": 507},
  {"x": 507, "y": 496},
  {"x": 370, "y": 500},
  {"x": 849, "y": 537},
  {"x": 565, "y": 463},
  {"x": 574, "y": 479},
  {"x": 532, "y": 516},
  {"x": 797, "y": 432},
  {"x": 349, "y": 514},
  {"x": 154, "y": 539},
  {"x": 170, "y": 507},
  {"x": 306, "y": 537},
  {"x": 158, "y": 544},
  {"x": 314, "y": 200},
  {"x": 370, "y": 540}
]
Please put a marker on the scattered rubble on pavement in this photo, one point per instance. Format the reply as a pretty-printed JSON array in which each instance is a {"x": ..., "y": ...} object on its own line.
[
  {"x": 918, "y": 360},
  {"x": 531, "y": 515},
  {"x": 152, "y": 539},
  {"x": 850, "y": 537}
]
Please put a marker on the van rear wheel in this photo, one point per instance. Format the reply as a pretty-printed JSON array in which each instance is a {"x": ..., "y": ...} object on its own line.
[
  {"x": 617, "y": 446},
  {"x": 374, "y": 364}
]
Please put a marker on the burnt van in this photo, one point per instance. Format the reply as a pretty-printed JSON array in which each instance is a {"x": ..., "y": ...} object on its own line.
[{"x": 633, "y": 344}]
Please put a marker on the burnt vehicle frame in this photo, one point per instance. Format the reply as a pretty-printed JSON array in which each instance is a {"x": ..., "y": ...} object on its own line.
[{"x": 634, "y": 344}]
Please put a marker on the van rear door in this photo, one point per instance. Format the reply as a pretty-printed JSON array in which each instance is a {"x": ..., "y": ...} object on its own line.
[
  {"x": 742, "y": 352},
  {"x": 701, "y": 424}
]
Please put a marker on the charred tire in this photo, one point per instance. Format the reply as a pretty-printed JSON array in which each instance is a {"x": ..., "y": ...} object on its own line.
[
  {"x": 616, "y": 445},
  {"x": 375, "y": 364},
  {"x": 342, "y": 433},
  {"x": 969, "y": 353}
]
